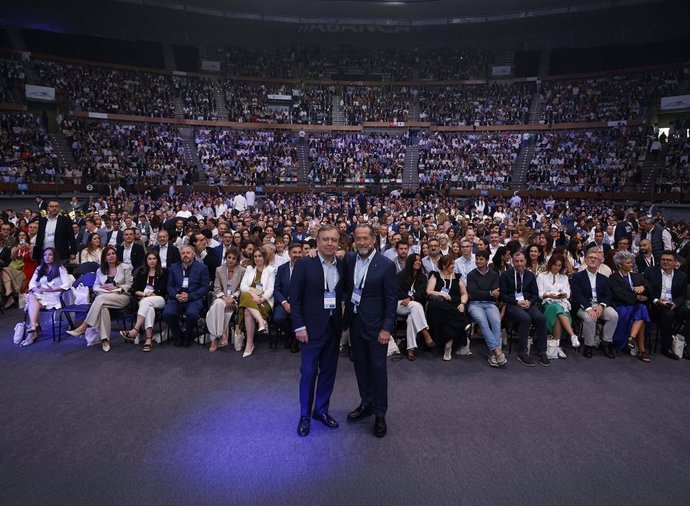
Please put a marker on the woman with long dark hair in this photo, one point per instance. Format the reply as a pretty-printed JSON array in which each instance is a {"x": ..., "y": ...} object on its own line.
[
  {"x": 150, "y": 287},
  {"x": 112, "y": 285},
  {"x": 411, "y": 301},
  {"x": 49, "y": 279}
]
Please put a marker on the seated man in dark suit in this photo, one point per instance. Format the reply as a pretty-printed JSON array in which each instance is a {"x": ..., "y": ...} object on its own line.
[
  {"x": 168, "y": 253},
  {"x": 519, "y": 291},
  {"x": 598, "y": 242},
  {"x": 669, "y": 287},
  {"x": 592, "y": 300},
  {"x": 281, "y": 295},
  {"x": 131, "y": 252},
  {"x": 223, "y": 247},
  {"x": 188, "y": 285},
  {"x": 204, "y": 254},
  {"x": 644, "y": 258}
]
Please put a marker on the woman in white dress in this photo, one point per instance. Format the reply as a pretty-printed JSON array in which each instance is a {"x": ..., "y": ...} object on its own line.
[
  {"x": 112, "y": 285},
  {"x": 48, "y": 281},
  {"x": 554, "y": 291}
]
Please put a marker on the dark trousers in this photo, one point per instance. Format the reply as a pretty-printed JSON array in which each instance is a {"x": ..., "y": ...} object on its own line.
[
  {"x": 173, "y": 310},
  {"x": 318, "y": 367},
  {"x": 281, "y": 318},
  {"x": 370, "y": 368},
  {"x": 667, "y": 318},
  {"x": 523, "y": 318}
]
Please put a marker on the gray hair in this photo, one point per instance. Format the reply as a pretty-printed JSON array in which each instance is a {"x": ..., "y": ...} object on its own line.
[
  {"x": 621, "y": 256},
  {"x": 592, "y": 250}
]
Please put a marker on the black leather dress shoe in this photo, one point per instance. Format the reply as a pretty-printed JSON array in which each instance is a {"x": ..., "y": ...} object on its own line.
[
  {"x": 668, "y": 353},
  {"x": 178, "y": 343},
  {"x": 325, "y": 419},
  {"x": 587, "y": 352},
  {"x": 359, "y": 413},
  {"x": 303, "y": 426},
  {"x": 608, "y": 350},
  {"x": 380, "y": 426}
]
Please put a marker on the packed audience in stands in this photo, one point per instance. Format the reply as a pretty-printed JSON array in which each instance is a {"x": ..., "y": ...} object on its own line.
[
  {"x": 247, "y": 157},
  {"x": 27, "y": 154},
  {"x": 589, "y": 160},
  {"x": 128, "y": 153},
  {"x": 468, "y": 161},
  {"x": 12, "y": 80},
  {"x": 674, "y": 176},
  {"x": 551, "y": 249},
  {"x": 198, "y": 97},
  {"x": 478, "y": 105},
  {"x": 339, "y": 158},
  {"x": 604, "y": 98},
  {"x": 375, "y": 103},
  {"x": 100, "y": 89}
]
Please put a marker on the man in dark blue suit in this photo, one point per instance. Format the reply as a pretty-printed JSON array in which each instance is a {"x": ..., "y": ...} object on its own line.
[
  {"x": 223, "y": 247},
  {"x": 520, "y": 293},
  {"x": 167, "y": 252},
  {"x": 370, "y": 305},
  {"x": 281, "y": 294},
  {"x": 591, "y": 295},
  {"x": 316, "y": 302},
  {"x": 188, "y": 284}
]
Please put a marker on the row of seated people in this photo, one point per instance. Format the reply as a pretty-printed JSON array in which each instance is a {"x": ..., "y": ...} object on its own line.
[
  {"x": 605, "y": 98},
  {"x": 487, "y": 293},
  {"x": 477, "y": 105},
  {"x": 336, "y": 159},
  {"x": 674, "y": 176},
  {"x": 27, "y": 153},
  {"x": 589, "y": 160},
  {"x": 247, "y": 157},
  {"x": 145, "y": 153},
  {"x": 471, "y": 161}
]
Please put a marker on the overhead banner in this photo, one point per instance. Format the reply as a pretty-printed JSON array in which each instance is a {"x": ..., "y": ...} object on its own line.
[
  {"x": 210, "y": 66},
  {"x": 675, "y": 103},
  {"x": 40, "y": 93},
  {"x": 279, "y": 97},
  {"x": 501, "y": 70}
]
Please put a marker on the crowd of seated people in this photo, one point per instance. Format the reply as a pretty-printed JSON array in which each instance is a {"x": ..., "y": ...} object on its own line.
[
  {"x": 605, "y": 98},
  {"x": 460, "y": 282},
  {"x": 467, "y": 161},
  {"x": 601, "y": 160},
  {"x": 133, "y": 153},
  {"x": 674, "y": 176},
  {"x": 100, "y": 89},
  {"x": 257, "y": 62},
  {"x": 198, "y": 97},
  {"x": 314, "y": 106},
  {"x": 248, "y": 102},
  {"x": 26, "y": 151},
  {"x": 337, "y": 159},
  {"x": 246, "y": 157},
  {"x": 478, "y": 105},
  {"x": 12, "y": 80},
  {"x": 375, "y": 103}
]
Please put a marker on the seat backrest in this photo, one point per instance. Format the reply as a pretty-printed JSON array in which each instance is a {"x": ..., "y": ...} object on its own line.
[
  {"x": 85, "y": 268},
  {"x": 87, "y": 279}
]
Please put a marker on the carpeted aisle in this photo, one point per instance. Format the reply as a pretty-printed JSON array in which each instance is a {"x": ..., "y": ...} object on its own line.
[{"x": 183, "y": 426}]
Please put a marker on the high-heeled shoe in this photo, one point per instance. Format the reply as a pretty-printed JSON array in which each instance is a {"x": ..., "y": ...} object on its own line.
[
  {"x": 9, "y": 302},
  {"x": 31, "y": 337},
  {"x": 248, "y": 351},
  {"x": 76, "y": 332},
  {"x": 125, "y": 335}
]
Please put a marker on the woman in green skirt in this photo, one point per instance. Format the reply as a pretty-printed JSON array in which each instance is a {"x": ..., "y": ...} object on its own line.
[
  {"x": 256, "y": 298},
  {"x": 554, "y": 291}
]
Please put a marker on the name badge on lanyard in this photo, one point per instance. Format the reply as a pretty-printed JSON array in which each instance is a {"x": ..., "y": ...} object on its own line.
[
  {"x": 329, "y": 300},
  {"x": 356, "y": 296},
  {"x": 519, "y": 296},
  {"x": 259, "y": 286},
  {"x": 149, "y": 288},
  {"x": 667, "y": 295},
  {"x": 185, "y": 282},
  {"x": 594, "y": 295},
  {"x": 410, "y": 292},
  {"x": 228, "y": 289}
]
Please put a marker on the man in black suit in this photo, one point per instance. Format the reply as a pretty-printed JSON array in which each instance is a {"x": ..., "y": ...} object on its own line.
[
  {"x": 168, "y": 253},
  {"x": 316, "y": 301},
  {"x": 55, "y": 230},
  {"x": 281, "y": 293},
  {"x": 223, "y": 247},
  {"x": 644, "y": 258},
  {"x": 370, "y": 310},
  {"x": 591, "y": 294},
  {"x": 115, "y": 236},
  {"x": 668, "y": 294},
  {"x": 130, "y": 252},
  {"x": 519, "y": 291},
  {"x": 204, "y": 254},
  {"x": 599, "y": 242}
]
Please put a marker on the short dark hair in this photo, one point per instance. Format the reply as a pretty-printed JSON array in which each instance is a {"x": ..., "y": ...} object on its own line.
[{"x": 483, "y": 254}]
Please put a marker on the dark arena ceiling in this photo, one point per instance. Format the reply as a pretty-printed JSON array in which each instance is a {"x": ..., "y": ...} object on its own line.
[{"x": 414, "y": 12}]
